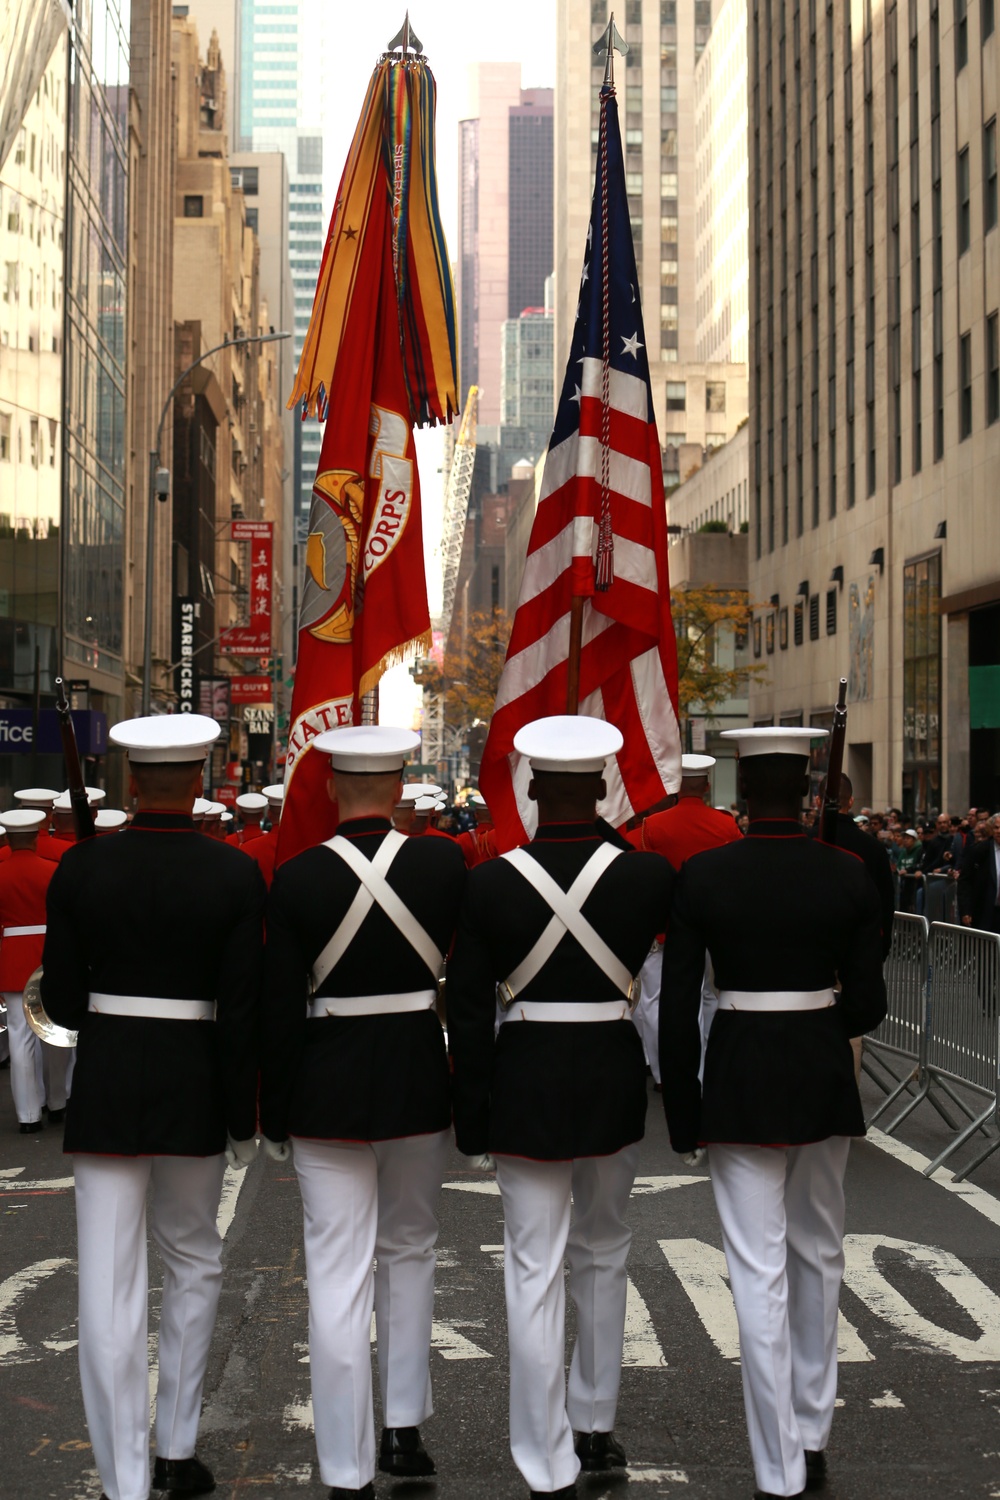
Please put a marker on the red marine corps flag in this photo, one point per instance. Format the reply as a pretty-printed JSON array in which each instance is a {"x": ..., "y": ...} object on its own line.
[
  {"x": 379, "y": 355},
  {"x": 593, "y": 632}
]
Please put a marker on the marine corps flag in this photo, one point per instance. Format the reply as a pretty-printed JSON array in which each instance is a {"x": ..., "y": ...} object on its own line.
[
  {"x": 379, "y": 354},
  {"x": 592, "y": 631}
]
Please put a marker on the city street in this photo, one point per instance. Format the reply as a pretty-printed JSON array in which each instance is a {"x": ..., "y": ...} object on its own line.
[{"x": 920, "y": 1346}]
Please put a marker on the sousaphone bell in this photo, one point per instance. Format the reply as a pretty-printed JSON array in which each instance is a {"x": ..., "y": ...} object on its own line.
[{"x": 34, "y": 1013}]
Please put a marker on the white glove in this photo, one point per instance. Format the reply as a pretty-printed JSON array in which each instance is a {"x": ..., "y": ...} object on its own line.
[
  {"x": 481, "y": 1163},
  {"x": 694, "y": 1158},
  {"x": 276, "y": 1150},
  {"x": 240, "y": 1153}
]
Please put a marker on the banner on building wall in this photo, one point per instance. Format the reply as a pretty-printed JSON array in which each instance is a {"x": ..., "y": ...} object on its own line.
[
  {"x": 184, "y": 672},
  {"x": 213, "y": 698},
  {"x": 251, "y": 689},
  {"x": 253, "y": 637}
]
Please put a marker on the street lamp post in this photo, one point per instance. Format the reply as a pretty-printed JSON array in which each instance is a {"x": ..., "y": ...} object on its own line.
[{"x": 159, "y": 489}]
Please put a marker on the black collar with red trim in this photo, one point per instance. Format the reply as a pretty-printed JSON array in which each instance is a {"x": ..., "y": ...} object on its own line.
[
  {"x": 776, "y": 828},
  {"x": 163, "y": 822},
  {"x": 566, "y": 832},
  {"x": 356, "y": 828}
]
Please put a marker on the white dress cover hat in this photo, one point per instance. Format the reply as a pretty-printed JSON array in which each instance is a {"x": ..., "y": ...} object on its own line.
[
  {"x": 696, "y": 765},
  {"x": 251, "y": 802},
  {"x": 568, "y": 742},
  {"x": 158, "y": 738},
  {"x": 23, "y": 820},
  {"x": 770, "y": 739},
  {"x": 368, "y": 748},
  {"x": 36, "y": 796}
]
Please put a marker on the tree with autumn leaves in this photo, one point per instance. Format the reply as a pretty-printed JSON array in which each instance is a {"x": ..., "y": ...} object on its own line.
[{"x": 469, "y": 676}]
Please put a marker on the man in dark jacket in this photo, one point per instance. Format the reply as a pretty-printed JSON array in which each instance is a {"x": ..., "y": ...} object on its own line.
[
  {"x": 149, "y": 933},
  {"x": 562, "y": 926},
  {"x": 355, "y": 1072},
  {"x": 870, "y": 852},
  {"x": 784, "y": 918},
  {"x": 979, "y": 882}
]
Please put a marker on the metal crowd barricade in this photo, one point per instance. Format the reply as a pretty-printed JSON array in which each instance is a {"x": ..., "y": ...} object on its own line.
[
  {"x": 901, "y": 1038},
  {"x": 940, "y": 898},
  {"x": 963, "y": 1040}
]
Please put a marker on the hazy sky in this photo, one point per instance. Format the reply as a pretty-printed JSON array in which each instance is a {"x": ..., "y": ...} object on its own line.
[{"x": 453, "y": 35}]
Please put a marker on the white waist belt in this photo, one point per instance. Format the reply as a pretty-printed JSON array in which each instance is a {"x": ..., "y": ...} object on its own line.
[
  {"x": 570, "y": 1010},
  {"x": 776, "y": 999},
  {"x": 24, "y": 931},
  {"x": 371, "y": 1005},
  {"x": 152, "y": 1007}
]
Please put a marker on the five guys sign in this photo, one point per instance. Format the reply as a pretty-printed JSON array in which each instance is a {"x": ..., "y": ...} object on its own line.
[{"x": 253, "y": 638}]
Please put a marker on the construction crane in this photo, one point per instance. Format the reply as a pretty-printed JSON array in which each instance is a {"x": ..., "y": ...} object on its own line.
[
  {"x": 436, "y": 749},
  {"x": 456, "y": 509}
]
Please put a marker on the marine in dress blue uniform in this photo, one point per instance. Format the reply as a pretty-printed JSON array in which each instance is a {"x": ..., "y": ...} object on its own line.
[
  {"x": 793, "y": 929},
  {"x": 355, "y": 1072},
  {"x": 153, "y": 953},
  {"x": 558, "y": 1095}
]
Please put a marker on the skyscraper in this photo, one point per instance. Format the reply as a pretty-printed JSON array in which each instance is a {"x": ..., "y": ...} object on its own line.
[
  {"x": 698, "y": 399},
  {"x": 504, "y": 219},
  {"x": 875, "y": 415}
]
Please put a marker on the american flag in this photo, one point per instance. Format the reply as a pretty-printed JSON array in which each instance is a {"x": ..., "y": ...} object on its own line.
[{"x": 600, "y": 533}]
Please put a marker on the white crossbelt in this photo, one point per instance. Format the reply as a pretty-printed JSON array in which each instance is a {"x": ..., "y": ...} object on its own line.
[
  {"x": 24, "y": 931},
  {"x": 374, "y": 888},
  {"x": 567, "y": 916},
  {"x": 372, "y": 1005},
  {"x": 759, "y": 1000},
  {"x": 152, "y": 1007},
  {"x": 569, "y": 1010}
]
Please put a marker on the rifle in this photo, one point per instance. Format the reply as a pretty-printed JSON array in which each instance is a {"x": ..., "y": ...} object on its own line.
[
  {"x": 82, "y": 815},
  {"x": 835, "y": 768}
]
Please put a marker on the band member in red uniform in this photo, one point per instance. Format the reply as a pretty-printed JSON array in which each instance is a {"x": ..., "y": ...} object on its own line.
[
  {"x": 41, "y": 797},
  {"x": 251, "y": 807},
  {"x": 263, "y": 850},
  {"x": 479, "y": 844},
  {"x": 24, "y": 881}
]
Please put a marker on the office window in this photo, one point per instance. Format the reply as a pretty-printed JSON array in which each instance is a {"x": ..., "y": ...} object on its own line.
[
  {"x": 987, "y": 19},
  {"x": 668, "y": 273},
  {"x": 798, "y": 628},
  {"x": 814, "y": 617},
  {"x": 990, "y": 176},
  {"x": 831, "y": 611},
  {"x": 676, "y": 395},
  {"x": 921, "y": 682},
  {"x": 964, "y": 385},
  {"x": 961, "y": 34},
  {"x": 4, "y": 437},
  {"x": 964, "y": 202},
  {"x": 194, "y": 206},
  {"x": 715, "y": 395},
  {"x": 992, "y": 368},
  {"x": 252, "y": 219},
  {"x": 33, "y": 435}
]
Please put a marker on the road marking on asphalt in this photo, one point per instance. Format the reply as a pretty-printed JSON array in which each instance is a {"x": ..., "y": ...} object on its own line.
[
  {"x": 656, "y": 1476},
  {"x": 976, "y": 1197},
  {"x": 488, "y": 1186},
  {"x": 888, "y": 1398},
  {"x": 232, "y": 1182},
  {"x": 704, "y": 1275},
  {"x": 641, "y": 1348},
  {"x": 865, "y": 1279},
  {"x": 11, "y": 1181},
  {"x": 13, "y": 1349},
  {"x": 646, "y": 1185},
  {"x": 298, "y": 1416},
  {"x": 451, "y": 1343}
]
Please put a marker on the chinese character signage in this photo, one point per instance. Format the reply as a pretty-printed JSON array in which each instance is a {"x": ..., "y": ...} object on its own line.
[{"x": 253, "y": 637}]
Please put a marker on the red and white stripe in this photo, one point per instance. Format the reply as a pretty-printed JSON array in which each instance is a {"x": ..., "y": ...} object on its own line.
[{"x": 628, "y": 663}]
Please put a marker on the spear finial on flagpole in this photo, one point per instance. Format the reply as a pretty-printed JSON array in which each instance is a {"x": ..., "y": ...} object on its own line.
[
  {"x": 611, "y": 42},
  {"x": 406, "y": 40}
]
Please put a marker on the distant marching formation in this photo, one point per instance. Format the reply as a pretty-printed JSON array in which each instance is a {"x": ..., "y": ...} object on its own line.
[{"x": 329, "y": 1042}]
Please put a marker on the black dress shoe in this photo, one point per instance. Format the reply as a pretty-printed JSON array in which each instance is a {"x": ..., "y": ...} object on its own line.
[
  {"x": 32, "y": 1127},
  {"x": 56, "y": 1116},
  {"x": 766, "y": 1495},
  {"x": 403, "y": 1454},
  {"x": 367, "y": 1492},
  {"x": 815, "y": 1469},
  {"x": 599, "y": 1451},
  {"x": 568, "y": 1492},
  {"x": 182, "y": 1476}
]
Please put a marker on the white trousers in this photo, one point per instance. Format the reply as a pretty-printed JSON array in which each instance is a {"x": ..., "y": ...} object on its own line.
[
  {"x": 362, "y": 1201},
  {"x": 114, "y": 1359},
  {"x": 646, "y": 1016},
  {"x": 782, "y": 1213},
  {"x": 538, "y": 1235},
  {"x": 38, "y": 1072}
]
